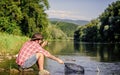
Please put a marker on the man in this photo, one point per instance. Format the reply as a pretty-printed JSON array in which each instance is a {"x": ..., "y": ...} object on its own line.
[{"x": 32, "y": 51}]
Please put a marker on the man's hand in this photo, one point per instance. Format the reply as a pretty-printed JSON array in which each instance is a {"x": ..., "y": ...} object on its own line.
[
  {"x": 60, "y": 61},
  {"x": 44, "y": 43}
]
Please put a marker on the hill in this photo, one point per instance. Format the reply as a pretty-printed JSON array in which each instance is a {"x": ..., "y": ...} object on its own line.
[
  {"x": 77, "y": 22},
  {"x": 67, "y": 28}
]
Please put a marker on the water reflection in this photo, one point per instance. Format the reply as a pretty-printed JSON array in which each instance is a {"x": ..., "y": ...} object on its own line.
[
  {"x": 104, "y": 52},
  {"x": 109, "y": 52}
]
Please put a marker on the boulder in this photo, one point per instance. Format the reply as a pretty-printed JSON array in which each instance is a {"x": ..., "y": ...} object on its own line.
[{"x": 73, "y": 68}]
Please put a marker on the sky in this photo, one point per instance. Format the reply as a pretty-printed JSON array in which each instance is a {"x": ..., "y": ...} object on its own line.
[{"x": 77, "y": 9}]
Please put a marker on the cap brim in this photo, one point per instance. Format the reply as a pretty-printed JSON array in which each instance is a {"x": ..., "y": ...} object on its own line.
[{"x": 36, "y": 38}]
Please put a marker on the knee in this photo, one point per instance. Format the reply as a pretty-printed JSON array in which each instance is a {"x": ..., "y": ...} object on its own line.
[{"x": 38, "y": 55}]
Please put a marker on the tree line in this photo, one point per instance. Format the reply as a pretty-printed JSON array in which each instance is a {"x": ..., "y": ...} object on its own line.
[{"x": 105, "y": 28}]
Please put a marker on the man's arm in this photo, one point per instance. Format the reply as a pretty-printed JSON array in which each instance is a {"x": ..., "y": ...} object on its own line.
[
  {"x": 55, "y": 58},
  {"x": 50, "y": 55}
]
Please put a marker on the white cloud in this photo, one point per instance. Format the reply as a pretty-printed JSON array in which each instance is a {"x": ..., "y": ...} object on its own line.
[{"x": 66, "y": 15}]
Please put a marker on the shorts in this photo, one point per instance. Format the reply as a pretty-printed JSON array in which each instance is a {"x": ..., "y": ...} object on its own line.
[{"x": 30, "y": 61}]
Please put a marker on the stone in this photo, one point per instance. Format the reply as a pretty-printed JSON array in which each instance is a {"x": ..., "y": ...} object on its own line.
[{"x": 73, "y": 68}]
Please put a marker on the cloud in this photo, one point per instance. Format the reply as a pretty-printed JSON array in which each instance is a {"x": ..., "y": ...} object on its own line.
[{"x": 66, "y": 15}]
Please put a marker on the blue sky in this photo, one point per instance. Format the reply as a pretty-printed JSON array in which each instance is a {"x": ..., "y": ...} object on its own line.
[{"x": 77, "y": 9}]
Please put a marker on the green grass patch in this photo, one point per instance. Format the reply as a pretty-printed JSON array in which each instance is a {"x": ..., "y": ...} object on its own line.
[{"x": 11, "y": 43}]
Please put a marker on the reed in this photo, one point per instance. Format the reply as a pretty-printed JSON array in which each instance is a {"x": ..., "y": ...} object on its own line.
[{"x": 10, "y": 44}]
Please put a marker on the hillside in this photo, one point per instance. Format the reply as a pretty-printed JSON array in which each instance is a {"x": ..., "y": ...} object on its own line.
[
  {"x": 67, "y": 28},
  {"x": 77, "y": 22}
]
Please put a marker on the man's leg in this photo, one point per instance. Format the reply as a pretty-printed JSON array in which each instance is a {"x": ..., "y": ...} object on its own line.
[
  {"x": 40, "y": 61},
  {"x": 28, "y": 63}
]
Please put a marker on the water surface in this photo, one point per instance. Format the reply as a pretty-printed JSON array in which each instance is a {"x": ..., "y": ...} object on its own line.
[{"x": 96, "y": 58}]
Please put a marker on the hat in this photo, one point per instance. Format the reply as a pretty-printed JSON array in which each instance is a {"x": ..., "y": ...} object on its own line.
[{"x": 36, "y": 36}]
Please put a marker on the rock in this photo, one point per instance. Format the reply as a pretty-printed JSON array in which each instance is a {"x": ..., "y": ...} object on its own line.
[
  {"x": 73, "y": 68},
  {"x": 2, "y": 69},
  {"x": 29, "y": 69},
  {"x": 14, "y": 70}
]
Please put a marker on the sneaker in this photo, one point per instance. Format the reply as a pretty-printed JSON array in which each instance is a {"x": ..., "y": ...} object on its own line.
[
  {"x": 44, "y": 72},
  {"x": 24, "y": 69}
]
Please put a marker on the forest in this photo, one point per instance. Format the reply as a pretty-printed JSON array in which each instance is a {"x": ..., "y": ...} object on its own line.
[
  {"x": 105, "y": 28},
  {"x": 25, "y": 17}
]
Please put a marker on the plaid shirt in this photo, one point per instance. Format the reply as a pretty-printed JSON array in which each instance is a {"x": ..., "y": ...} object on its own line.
[{"x": 28, "y": 49}]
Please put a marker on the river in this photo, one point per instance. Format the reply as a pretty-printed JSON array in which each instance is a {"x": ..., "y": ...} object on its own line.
[{"x": 96, "y": 58}]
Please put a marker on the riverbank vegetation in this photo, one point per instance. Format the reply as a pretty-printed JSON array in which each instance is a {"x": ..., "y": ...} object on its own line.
[
  {"x": 10, "y": 44},
  {"x": 106, "y": 28}
]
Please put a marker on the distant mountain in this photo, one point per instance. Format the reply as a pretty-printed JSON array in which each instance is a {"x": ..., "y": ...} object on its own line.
[{"x": 78, "y": 22}]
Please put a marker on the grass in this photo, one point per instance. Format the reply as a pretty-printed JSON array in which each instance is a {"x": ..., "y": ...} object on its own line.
[{"x": 10, "y": 43}]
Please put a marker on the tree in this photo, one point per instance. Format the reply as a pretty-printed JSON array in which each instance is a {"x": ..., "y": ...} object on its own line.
[
  {"x": 34, "y": 16},
  {"x": 10, "y": 17},
  {"x": 111, "y": 18},
  {"x": 88, "y": 32},
  {"x": 28, "y": 16}
]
